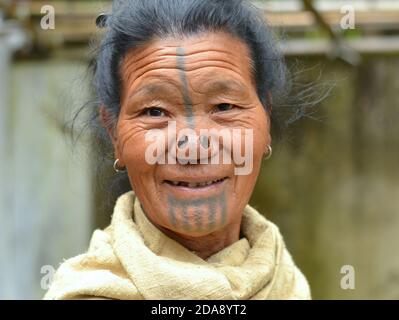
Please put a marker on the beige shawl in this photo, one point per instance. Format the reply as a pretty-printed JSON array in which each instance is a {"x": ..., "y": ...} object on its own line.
[{"x": 132, "y": 259}]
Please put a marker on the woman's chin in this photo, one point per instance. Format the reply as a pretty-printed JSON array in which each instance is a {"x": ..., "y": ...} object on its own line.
[{"x": 196, "y": 212}]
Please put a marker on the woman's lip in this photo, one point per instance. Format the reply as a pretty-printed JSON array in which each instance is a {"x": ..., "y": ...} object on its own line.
[
  {"x": 185, "y": 191},
  {"x": 196, "y": 178},
  {"x": 194, "y": 183}
]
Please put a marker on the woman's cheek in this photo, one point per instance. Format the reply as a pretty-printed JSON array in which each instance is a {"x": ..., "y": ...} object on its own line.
[
  {"x": 133, "y": 146},
  {"x": 259, "y": 132}
]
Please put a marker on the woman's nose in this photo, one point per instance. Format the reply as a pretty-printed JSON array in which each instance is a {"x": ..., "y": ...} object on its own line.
[
  {"x": 194, "y": 145},
  {"x": 193, "y": 148},
  {"x": 201, "y": 141}
]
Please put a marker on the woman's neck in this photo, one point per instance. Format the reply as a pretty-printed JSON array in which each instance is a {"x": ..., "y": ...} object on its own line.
[{"x": 209, "y": 244}]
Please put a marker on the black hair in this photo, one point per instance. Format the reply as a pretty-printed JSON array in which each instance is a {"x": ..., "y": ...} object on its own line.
[{"x": 132, "y": 23}]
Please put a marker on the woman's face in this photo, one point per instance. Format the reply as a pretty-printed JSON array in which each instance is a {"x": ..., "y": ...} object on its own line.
[{"x": 187, "y": 107}]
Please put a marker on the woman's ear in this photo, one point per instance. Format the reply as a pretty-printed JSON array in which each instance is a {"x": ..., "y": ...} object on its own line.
[
  {"x": 108, "y": 122},
  {"x": 270, "y": 100},
  {"x": 270, "y": 103}
]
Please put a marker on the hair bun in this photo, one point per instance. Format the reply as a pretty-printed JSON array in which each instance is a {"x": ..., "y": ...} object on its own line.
[{"x": 101, "y": 20}]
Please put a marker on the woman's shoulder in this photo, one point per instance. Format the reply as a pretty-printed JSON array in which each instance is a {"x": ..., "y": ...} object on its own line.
[{"x": 95, "y": 274}]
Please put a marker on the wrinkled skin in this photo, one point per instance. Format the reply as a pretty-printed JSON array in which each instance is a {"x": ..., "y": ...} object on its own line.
[{"x": 175, "y": 79}]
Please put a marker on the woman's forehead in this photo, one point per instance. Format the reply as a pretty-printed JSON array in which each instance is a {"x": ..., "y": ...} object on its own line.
[
  {"x": 200, "y": 57},
  {"x": 218, "y": 41}
]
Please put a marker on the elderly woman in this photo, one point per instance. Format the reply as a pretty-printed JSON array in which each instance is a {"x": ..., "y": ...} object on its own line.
[{"x": 185, "y": 90}]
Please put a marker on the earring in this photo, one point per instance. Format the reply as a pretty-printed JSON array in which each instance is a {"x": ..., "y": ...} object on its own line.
[
  {"x": 269, "y": 154},
  {"x": 116, "y": 166}
]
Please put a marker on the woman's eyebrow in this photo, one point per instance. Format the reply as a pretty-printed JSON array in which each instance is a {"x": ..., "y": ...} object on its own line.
[
  {"x": 153, "y": 89},
  {"x": 224, "y": 86},
  {"x": 212, "y": 87}
]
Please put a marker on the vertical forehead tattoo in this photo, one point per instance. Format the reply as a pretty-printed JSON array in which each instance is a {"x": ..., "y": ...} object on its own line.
[{"x": 188, "y": 105}]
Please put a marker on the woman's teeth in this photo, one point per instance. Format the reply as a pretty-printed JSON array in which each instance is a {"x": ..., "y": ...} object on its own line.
[{"x": 194, "y": 184}]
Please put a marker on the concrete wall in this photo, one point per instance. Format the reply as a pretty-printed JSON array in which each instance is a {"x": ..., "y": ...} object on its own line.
[
  {"x": 333, "y": 187},
  {"x": 46, "y": 205}
]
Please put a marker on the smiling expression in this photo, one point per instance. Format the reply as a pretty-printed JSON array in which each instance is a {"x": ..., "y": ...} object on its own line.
[{"x": 201, "y": 81}]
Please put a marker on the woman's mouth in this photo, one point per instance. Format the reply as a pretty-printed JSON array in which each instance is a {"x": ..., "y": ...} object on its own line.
[
  {"x": 191, "y": 184},
  {"x": 195, "y": 189}
]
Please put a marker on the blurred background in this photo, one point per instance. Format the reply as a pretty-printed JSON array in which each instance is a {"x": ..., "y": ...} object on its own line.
[{"x": 332, "y": 185}]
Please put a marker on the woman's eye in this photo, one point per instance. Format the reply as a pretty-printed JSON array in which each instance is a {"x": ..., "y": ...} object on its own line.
[
  {"x": 224, "y": 107},
  {"x": 154, "y": 112}
]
